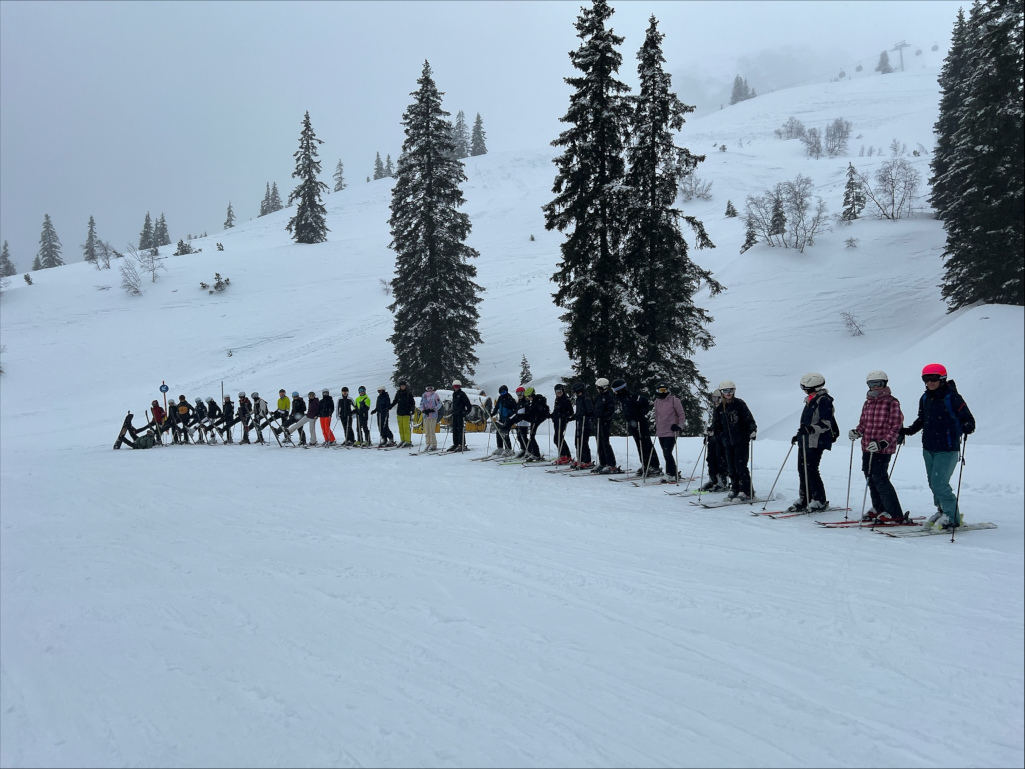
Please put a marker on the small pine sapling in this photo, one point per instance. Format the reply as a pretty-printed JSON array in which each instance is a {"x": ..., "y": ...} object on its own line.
[
  {"x": 28, "y": 278},
  {"x": 731, "y": 211}
]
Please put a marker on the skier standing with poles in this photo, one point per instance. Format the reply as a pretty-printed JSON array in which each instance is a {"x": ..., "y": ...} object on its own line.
[
  {"x": 879, "y": 430},
  {"x": 814, "y": 436},
  {"x": 635, "y": 411},
  {"x": 604, "y": 410},
  {"x": 944, "y": 419},
  {"x": 735, "y": 426},
  {"x": 669, "y": 422}
]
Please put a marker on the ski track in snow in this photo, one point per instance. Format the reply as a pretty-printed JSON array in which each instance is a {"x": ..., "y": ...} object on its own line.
[{"x": 216, "y": 606}]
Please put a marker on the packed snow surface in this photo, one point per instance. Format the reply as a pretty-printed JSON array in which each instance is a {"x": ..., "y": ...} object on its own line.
[{"x": 250, "y": 605}]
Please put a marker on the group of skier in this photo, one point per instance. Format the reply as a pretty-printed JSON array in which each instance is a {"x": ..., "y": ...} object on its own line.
[{"x": 943, "y": 417}]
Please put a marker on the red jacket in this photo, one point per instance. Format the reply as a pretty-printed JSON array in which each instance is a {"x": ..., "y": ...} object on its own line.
[{"x": 158, "y": 415}]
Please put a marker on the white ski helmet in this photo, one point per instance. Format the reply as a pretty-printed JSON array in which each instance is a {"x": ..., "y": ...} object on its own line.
[
  {"x": 456, "y": 383},
  {"x": 877, "y": 376},
  {"x": 209, "y": 399},
  {"x": 812, "y": 381},
  {"x": 602, "y": 382},
  {"x": 727, "y": 384},
  {"x": 241, "y": 394}
]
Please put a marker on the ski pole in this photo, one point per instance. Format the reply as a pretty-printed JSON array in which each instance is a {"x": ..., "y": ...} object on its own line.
[
  {"x": 850, "y": 471},
  {"x": 804, "y": 458},
  {"x": 895, "y": 455},
  {"x": 777, "y": 476},
  {"x": 752, "y": 474},
  {"x": 957, "y": 499},
  {"x": 701, "y": 482},
  {"x": 868, "y": 476}
]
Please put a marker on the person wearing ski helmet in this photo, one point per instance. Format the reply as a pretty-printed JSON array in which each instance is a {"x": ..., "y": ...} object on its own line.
[
  {"x": 537, "y": 414},
  {"x": 199, "y": 419},
  {"x": 310, "y": 418},
  {"x": 562, "y": 414},
  {"x": 604, "y": 409},
  {"x": 382, "y": 408},
  {"x": 670, "y": 420},
  {"x": 244, "y": 415},
  {"x": 326, "y": 411},
  {"x": 518, "y": 421},
  {"x": 815, "y": 434},
  {"x": 635, "y": 412},
  {"x": 228, "y": 418},
  {"x": 362, "y": 418},
  {"x": 290, "y": 422},
  {"x": 430, "y": 406},
  {"x": 404, "y": 405},
  {"x": 879, "y": 431},
  {"x": 735, "y": 427},
  {"x": 501, "y": 414},
  {"x": 213, "y": 417},
  {"x": 346, "y": 409},
  {"x": 944, "y": 420},
  {"x": 460, "y": 408},
  {"x": 261, "y": 415},
  {"x": 715, "y": 454},
  {"x": 583, "y": 416}
]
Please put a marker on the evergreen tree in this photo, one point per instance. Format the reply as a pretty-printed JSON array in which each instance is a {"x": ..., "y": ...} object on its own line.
[
  {"x": 435, "y": 296},
  {"x": 730, "y": 210},
  {"x": 49, "y": 254},
  {"x": 665, "y": 325},
  {"x": 36, "y": 265},
  {"x": 378, "y": 167},
  {"x": 853, "y": 195},
  {"x": 265, "y": 203},
  {"x": 589, "y": 204},
  {"x": 6, "y": 265},
  {"x": 146, "y": 236},
  {"x": 275, "y": 198},
  {"x": 477, "y": 143},
  {"x": 90, "y": 246},
  {"x": 883, "y": 66},
  {"x": 461, "y": 136},
  {"x": 309, "y": 225},
  {"x": 160, "y": 236},
  {"x": 389, "y": 169},
  {"x": 750, "y": 237},
  {"x": 525, "y": 375},
  {"x": 741, "y": 90},
  {"x": 778, "y": 222},
  {"x": 229, "y": 221},
  {"x": 339, "y": 177},
  {"x": 952, "y": 81},
  {"x": 983, "y": 218}
]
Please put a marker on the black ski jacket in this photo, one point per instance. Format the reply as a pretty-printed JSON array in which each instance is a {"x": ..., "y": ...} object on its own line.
[
  {"x": 504, "y": 407},
  {"x": 298, "y": 408},
  {"x": 228, "y": 412},
  {"x": 562, "y": 410},
  {"x": 583, "y": 409},
  {"x": 384, "y": 404},
  {"x": 460, "y": 403},
  {"x": 213, "y": 411},
  {"x": 327, "y": 407},
  {"x": 733, "y": 422},
  {"x": 537, "y": 410},
  {"x": 405, "y": 403},
  {"x": 199, "y": 411},
  {"x": 605, "y": 407},
  {"x": 345, "y": 406},
  {"x": 635, "y": 407}
]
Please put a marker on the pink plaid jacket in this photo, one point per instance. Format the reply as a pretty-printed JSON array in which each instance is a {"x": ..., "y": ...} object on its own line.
[{"x": 881, "y": 420}]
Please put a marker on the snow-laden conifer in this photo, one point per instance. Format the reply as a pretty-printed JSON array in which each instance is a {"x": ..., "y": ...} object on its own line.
[
  {"x": 49, "y": 254},
  {"x": 435, "y": 296},
  {"x": 309, "y": 224}
]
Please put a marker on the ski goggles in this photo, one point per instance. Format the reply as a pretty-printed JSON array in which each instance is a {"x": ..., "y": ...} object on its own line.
[
  {"x": 931, "y": 377},
  {"x": 728, "y": 390},
  {"x": 663, "y": 390},
  {"x": 875, "y": 384}
]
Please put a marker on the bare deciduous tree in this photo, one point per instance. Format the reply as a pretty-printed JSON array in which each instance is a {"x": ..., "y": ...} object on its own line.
[
  {"x": 896, "y": 188},
  {"x": 838, "y": 133}
]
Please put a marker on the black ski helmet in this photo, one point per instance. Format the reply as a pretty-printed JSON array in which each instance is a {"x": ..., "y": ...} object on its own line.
[
  {"x": 579, "y": 387},
  {"x": 503, "y": 390}
]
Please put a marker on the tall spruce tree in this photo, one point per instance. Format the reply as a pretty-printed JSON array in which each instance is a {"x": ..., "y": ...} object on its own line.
[
  {"x": 6, "y": 265},
  {"x": 853, "y": 195},
  {"x": 90, "y": 246},
  {"x": 339, "y": 177},
  {"x": 478, "y": 145},
  {"x": 265, "y": 203},
  {"x": 883, "y": 65},
  {"x": 49, "y": 254},
  {"x": 525, "y": 375},
  {"x": 275, "y": 203},
  {"x": 309, "y": 225},
  {"x": 389, "y": 169},
  {"x": 461, "y": 136},
  {"x": 983, "y": 218},
  {"x": 146, "y": 236},
  {"x": 435, "y": 296},
  {"x": 378, "y": 167},
  {"x": 589, "y": 204},
  {"x": 160, "y": 236},
  {"x": 666, "y": 325},
  {"x": 229, "y": 220},
  {"x": 952, "y": 82}
]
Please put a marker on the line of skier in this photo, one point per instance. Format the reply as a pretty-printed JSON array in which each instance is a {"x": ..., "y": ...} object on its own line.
[{"x": 943, "y": 415}]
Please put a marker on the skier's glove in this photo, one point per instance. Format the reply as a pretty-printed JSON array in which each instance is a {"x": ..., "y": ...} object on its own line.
[
  {"x": 875, "y": 446},
  {"x": 710, "y": 432},
  {"x": 969, "y": 428},
  {"x": 795, "y": 439},
  {"x": 754, "y": 435},
  {"x": 676, "y": 428},
  {"x": 854, "y": 435}
]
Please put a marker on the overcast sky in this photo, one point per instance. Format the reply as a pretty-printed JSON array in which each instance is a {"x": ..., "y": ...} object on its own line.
[{"x": 113, "y": 109}]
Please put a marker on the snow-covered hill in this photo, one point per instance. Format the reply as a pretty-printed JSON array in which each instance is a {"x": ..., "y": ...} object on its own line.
[{"x": 250, "y": 605}]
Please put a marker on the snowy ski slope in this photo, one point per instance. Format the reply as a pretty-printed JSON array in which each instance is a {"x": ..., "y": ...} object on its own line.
[{"x": 215, "y": 606}]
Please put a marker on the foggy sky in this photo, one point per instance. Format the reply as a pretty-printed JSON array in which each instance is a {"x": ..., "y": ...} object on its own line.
[{"x": 113, "y": 109}]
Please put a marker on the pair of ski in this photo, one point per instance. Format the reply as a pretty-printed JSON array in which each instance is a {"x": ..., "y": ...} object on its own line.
[
  {"x": 796, "y": 513},
  {"x": 729, "y": 503},
  {"x": 640, "y": 481},
  {"x": 856, "y": 524},
  {"x": 922, "y": 531}
]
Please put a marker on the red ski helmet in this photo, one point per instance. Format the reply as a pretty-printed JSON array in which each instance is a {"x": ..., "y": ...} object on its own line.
[{"x": 935, "y": 368}]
